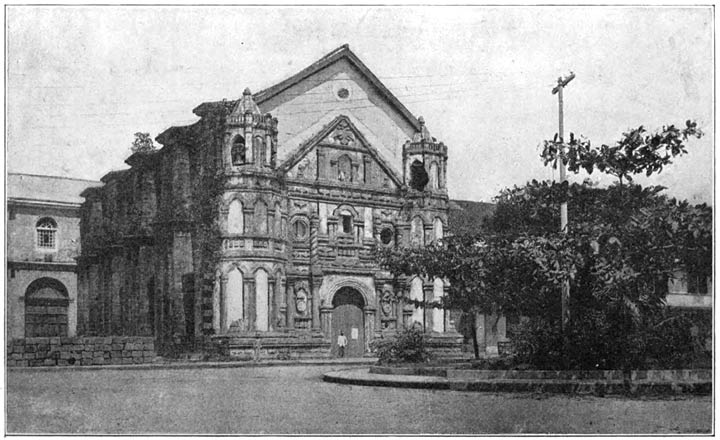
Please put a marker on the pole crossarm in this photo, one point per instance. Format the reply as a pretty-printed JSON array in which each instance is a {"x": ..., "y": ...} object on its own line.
[{"x": 563, "y": 82}]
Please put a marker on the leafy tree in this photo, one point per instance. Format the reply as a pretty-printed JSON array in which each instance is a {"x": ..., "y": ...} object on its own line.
[
  {"x": 143, "y": 143},
  {"x": 635, "y": 153},
  {"x": 623, "y": 243}
]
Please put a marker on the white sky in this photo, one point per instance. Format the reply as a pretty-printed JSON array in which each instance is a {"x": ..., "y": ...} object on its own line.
[{"x": 82, "y": 80}]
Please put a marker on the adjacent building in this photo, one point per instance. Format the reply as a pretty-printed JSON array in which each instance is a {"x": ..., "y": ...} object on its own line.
[{"x": 43, "y": 240}]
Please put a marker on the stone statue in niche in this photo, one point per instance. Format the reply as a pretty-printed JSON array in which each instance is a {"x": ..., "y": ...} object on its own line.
[
  {"x": 386, "y": 304},
  {"x": 301, "y": 301},
  {"x": 345, "y": 168},
  {"x": 302, "y": 167}
]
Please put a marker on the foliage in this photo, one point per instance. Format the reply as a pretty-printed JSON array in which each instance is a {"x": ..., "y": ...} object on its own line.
[
  {"x": 597, "y": 340},
  {"x": 637, "y": 152},
  {"x": 623, "y": 244},
  {"x": 408, "y": 346},
  {"x": 143, "y": 143}
]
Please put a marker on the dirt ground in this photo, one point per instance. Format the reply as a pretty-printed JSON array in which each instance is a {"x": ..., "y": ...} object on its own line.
[{"x": 295, "y": 400}]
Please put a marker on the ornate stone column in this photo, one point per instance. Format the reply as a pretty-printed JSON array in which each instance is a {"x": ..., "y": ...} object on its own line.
[
  {"x": 427, "y": 311},
  {"x": 272, "y": 304},
  {"x": 315, "y": 301},
  {"x": 289, "y": 306},
  {"x": 321, "y": 164},
  {"x": 326, "y": 320},
  {"x": 216, "y": 301},
  {"x": 249, "y": 303},
  {"x": 449, "y": 327},
  {"x": 223, "y": 303},
  {"x": 369, "y": 326},
  {"x": 281, "y": 303}
]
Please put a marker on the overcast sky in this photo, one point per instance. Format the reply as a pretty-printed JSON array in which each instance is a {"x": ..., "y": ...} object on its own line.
[{"x": 82, "y": 80}]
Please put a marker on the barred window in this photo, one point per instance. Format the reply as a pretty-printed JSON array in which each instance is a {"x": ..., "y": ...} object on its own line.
[{"x": 46, "y": 233}]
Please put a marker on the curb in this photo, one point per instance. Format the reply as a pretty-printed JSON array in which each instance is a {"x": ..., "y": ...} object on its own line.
[
  {"x": 194, "y": 365},
  {"x": 598, "y": 388}
]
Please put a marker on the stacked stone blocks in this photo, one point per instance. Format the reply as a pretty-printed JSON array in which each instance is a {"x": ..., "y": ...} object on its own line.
[{"x": 56, "y": 351}]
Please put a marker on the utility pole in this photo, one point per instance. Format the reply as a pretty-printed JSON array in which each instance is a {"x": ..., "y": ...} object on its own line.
[{"x": 565, "y": 296}]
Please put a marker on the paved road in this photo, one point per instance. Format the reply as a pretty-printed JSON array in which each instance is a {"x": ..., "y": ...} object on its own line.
[{"x": 293, "y": 399}]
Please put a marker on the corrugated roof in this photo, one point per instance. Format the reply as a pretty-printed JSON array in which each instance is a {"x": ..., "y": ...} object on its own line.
[
  {"x": 33, "y": 187},
  {"x": 468, "y": 217}
]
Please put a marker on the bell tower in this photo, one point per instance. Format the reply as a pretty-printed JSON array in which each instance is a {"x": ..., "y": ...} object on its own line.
[
  {"x": 253, "y": 217},
  {"x": 251, "y": 137},
  {"x": 425, "y": 162}
]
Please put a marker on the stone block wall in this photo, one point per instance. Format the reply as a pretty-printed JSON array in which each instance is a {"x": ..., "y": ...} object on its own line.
[{"x": 115, "y": 350}]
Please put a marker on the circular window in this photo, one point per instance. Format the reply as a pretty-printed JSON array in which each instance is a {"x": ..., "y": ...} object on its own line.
[
  {"x": 386, "y": 236},
  {"x": 343, "y": 93}
]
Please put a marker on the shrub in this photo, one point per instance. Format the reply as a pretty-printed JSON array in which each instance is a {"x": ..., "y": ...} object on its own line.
[
  {"x": 603, "y": 340},
  {"x": 408, "y": 346}
]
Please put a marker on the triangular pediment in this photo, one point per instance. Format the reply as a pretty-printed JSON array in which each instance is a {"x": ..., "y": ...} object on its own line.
[
  {"x": 341, "y": 53},
  {"x": 326, "y": 155}
]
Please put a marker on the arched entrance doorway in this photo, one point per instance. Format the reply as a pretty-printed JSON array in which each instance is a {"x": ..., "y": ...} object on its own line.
[
  {"x": 347, "y": 316},
  {"x": 46, "y": 308}
]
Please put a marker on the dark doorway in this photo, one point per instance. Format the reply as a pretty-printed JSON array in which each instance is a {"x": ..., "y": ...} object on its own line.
[
  {"x": 46, "y": 308},
  {"x": 347, "y": 316}
]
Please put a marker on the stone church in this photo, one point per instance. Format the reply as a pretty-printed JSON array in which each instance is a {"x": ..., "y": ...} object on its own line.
[{"x": 254, "y": 228}]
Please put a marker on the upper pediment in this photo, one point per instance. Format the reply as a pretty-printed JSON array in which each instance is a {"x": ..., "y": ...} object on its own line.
[
  {"x": 339, "y": 153},
  {"x": 345, "y": 54},
  {"x": 338, "y": 83}
]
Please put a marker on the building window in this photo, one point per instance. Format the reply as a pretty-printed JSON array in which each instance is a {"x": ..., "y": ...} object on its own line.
[
  {"x": 418, "y": 176},
  {"x": 259, "y": 150},
  {"x": 46, "y": 233},
  {"x": 235, "y": 217},
  {"x": 343, "y": 93},
  {"x": 238, "y": 150},
  {"x": 417, "y": 231},
  {"x": 346, "y": 223},
  {"x": 261, "y": 218},
  {"x": 386, "y": 235},
  {"x": 438, "y": 228}
]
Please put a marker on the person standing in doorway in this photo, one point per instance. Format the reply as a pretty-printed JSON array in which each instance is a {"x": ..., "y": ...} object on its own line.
[{"x": 342, "y": 343}]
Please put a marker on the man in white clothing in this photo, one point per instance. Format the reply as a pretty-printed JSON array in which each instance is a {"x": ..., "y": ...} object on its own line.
[{"x": 342, "y": 343}]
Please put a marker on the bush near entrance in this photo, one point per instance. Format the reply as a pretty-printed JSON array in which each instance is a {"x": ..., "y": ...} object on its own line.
[{"x": 408, "y": 346}]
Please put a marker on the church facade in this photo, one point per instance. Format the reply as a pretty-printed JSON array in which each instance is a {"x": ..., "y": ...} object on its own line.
[{"x": 255, "y": 227}]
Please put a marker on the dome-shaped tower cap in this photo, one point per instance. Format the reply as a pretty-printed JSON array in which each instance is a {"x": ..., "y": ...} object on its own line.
[
  {"x": 246, "y": 104},
  {"x": 423, "y": 134}
]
